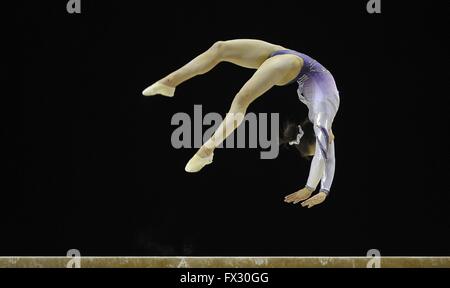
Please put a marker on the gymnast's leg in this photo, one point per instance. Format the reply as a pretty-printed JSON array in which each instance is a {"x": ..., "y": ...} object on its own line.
[
  {"x": 249, "y": 53},
  {"x": 278, "y": 70}
]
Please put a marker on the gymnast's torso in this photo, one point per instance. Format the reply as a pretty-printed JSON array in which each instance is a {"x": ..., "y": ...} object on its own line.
[{"x": 316, "y": 89}]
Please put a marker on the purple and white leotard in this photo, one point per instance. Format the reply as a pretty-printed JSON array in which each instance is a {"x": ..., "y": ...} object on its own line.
[{"x": 317, "y": 90}]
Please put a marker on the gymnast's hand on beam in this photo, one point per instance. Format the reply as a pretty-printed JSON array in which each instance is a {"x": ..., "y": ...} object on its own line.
[
  {"x": 298, "y": 196},
  {"x": 316, "y": 199}
]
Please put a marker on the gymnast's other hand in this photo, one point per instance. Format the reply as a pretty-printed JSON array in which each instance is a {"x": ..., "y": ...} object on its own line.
[
  {"x": 316, "y": 199},
  {"x": 298, "y": 196}
]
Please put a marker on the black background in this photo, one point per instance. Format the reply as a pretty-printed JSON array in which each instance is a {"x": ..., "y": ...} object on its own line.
[{"x": 89, "y": 163}]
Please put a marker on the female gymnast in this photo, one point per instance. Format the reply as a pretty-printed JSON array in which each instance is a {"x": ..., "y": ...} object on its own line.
[{"x": 275, "y": 66}]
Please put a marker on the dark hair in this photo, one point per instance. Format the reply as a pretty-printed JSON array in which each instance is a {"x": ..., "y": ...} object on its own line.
[{"x": 289, "y": 132}]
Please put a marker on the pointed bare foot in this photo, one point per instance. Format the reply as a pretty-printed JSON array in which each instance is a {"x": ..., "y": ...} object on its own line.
[
  {"x": 159, "y": 88},
  {"x": 203, "y": 157}
]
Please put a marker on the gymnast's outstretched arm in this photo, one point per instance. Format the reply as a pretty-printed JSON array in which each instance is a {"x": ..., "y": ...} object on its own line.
[{"x": 322, "y": 167}]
